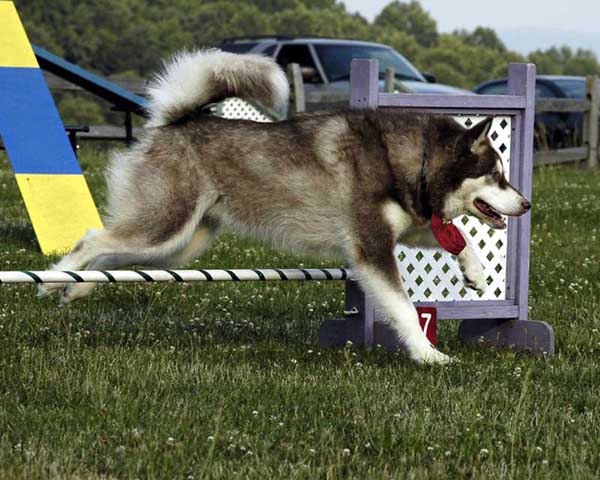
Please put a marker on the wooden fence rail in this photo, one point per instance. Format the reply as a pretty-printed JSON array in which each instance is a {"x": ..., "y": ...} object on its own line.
[{"x": 590, "y": 108}]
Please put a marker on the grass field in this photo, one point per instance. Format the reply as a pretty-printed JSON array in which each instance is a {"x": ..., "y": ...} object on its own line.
[{"x": 226, "y": 381}]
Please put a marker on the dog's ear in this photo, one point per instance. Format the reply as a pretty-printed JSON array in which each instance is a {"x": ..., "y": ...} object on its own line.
[{"x": 475, "y": 139}]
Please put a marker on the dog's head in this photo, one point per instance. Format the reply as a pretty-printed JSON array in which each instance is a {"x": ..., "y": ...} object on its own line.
[{"x": 477, "y": 183}]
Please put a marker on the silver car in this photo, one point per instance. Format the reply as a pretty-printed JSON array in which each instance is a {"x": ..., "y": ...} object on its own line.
[{"x": 325, "y": 62}]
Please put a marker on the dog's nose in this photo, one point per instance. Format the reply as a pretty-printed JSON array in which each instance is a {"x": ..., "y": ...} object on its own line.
[{"x": 526, "y": 204}]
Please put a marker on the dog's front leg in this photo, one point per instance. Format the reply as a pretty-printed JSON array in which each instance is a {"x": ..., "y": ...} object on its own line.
[
  {"x": 472, "y": 269},
  {"x": 376, "y": 269}
]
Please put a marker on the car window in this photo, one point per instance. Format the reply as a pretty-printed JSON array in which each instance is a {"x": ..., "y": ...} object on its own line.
[
  {"x": 572, "y": 88},
  {"x": 299, "y": 54},
  {"x": 336, "y": 59},
  {"x": 544, "y": 91},
  {"x": 237, "y": 47},
  {"x": 541, "y": 90},
  {"x": 494, "y": 89},
  {"x": 269, "y": 51}
]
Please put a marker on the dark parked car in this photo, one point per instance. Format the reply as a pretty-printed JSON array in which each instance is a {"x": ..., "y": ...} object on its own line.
[
  {"x": 553, "y": 130},
  {"x": 325, "y": 62}
]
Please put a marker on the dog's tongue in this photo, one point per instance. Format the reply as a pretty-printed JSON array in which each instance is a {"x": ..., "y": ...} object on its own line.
[{"x": 447, "y": 235}]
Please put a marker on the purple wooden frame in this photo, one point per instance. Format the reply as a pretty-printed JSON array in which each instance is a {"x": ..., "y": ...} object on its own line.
[{"x": 499, "y": 322}]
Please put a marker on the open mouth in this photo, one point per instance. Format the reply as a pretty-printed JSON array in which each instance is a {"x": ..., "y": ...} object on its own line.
[{"x": 492, "y": 216}]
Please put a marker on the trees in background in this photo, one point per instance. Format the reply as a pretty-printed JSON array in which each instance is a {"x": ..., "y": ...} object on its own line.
[
  {"x": 116, "y": 36},
  {"x": 409, "y": 18}
]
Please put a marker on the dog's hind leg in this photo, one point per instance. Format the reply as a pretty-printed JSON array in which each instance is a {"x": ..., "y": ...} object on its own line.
[
  {"x": 73, "y": 291},
  {"x": 94, "y": 245},
  {"x": 201, "y": 241},
  {"x": 149, "y": 257},
  {"x": 148, "y": 235},
  {"x": 79, "y": 256}
]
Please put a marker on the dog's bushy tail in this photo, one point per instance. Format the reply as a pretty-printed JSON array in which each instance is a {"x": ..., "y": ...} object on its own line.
[{"x": 191, "y": 80}]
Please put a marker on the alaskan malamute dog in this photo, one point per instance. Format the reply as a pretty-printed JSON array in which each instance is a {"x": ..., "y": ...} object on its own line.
[{"x": 351, "y": 183}]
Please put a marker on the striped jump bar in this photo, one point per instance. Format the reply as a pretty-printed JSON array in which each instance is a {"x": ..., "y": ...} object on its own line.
[
  {"x": 235, "y": 275},
  {"x": 55, "y": 192}
]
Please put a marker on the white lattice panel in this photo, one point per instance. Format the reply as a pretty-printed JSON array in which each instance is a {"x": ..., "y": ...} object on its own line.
[
  {"x": 237, "y": 108},
  {"x": 431, "y": 275}
]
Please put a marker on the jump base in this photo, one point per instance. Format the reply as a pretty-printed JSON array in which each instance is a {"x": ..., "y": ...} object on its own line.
[{"x": 520, "y": 335}]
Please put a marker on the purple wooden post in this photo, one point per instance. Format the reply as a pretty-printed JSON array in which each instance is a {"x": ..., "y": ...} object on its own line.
[
  {"x": 358, "y": 324},
  {"x": 521, "y": 81},
  {"x": 502, "y": 323},
  {"x": 359, "y": 311},
  {"x": 364, "y": 78}
]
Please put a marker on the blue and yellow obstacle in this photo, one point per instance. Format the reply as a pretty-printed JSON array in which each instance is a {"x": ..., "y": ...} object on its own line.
[{"x": 55, "y": 192}]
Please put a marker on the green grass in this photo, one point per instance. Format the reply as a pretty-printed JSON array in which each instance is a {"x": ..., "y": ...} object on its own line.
[{"x": 226, "y": 380}]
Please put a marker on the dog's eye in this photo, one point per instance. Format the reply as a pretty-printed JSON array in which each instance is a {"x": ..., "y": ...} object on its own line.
[{"x": 497, "y": 175}]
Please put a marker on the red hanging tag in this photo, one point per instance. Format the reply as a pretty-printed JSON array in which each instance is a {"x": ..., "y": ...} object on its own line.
[{"x": 447, "y": 235}]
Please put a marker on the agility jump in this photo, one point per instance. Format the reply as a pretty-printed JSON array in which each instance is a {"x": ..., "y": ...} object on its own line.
[{"x": 501, "y": 320}]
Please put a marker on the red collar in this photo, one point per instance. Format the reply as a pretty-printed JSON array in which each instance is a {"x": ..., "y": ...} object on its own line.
[{"x": 448, "y": 236}]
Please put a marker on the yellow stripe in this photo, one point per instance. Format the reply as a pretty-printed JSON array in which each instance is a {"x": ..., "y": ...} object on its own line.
[
  {"x": 15, "y": 50},
  {"x": 61, "y": 209}
]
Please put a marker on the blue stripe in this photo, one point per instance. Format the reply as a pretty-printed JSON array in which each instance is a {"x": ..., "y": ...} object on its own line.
[{"x": 30, "y": 126}]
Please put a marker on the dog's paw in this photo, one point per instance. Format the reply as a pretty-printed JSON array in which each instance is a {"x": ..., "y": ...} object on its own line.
[
  {"x": 433, "y": 356},
  {"x": 429, "y": 355},
  {"x": 74, "y": 291},
  {"x": 474, "y": 277}
]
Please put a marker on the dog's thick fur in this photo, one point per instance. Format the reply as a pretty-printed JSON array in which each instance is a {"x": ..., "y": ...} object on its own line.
[{"x": 345, "y": 183}]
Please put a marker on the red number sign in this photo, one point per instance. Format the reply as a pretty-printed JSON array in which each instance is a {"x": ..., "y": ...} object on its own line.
[{"x": 428, "y": 321}]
